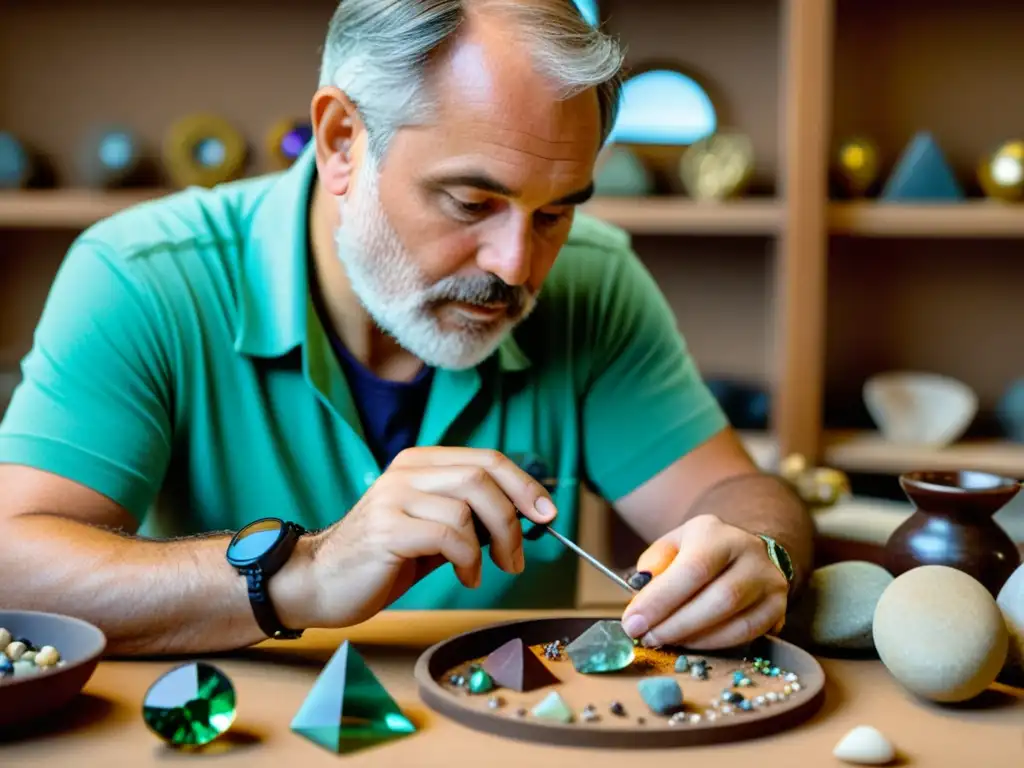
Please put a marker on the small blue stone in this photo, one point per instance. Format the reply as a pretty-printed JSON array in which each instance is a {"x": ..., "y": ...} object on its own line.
[
  {"x": 662, "y": 694},
  {"x": 6, "y": 666},
  {"x": 737, "y": 677},
  {"x": 682, "y": 664},
  {"x": 746, "y": 705}
]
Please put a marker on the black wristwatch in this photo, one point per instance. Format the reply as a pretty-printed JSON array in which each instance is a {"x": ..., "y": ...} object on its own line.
[{"x": 257, "y": 552}]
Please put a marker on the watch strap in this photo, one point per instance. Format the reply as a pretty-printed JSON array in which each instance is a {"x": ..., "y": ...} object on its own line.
[{"x": 263, "y": 608}]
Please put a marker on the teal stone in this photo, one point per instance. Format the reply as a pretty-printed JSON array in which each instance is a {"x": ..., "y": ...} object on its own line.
[
  {"x": 622, "y": 174},
  {"x": 922, "y": 174},
  {"x": 603, "y": 647},
  {"x": 682, "y": 664},
  {"x": 480, "y": 681},
  {"x": 662, "y": 694},
  {"x": 553, "y": 707}
]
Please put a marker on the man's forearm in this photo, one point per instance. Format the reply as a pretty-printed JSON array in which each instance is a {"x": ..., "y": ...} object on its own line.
[
  {"x": 149, "y": 597},
  {"x": 762, "y": 503}
]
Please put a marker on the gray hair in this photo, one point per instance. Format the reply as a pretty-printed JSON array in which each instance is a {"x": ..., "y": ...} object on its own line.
[{"x": 377, "y": 52}]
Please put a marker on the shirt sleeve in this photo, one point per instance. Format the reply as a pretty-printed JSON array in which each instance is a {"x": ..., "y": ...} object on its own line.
[
  {"x": 93, "y": 405},
  {"x": 645, "y": 403}
]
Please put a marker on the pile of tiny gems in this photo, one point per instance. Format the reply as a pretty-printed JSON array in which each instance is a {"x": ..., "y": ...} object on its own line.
[
  {"x": 21, "y": 657},
  {"x": 729, "y": 702}
]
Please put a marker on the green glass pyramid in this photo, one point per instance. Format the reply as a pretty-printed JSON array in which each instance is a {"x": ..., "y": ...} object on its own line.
[
  {"x": 348, "y": 709},
  {"x": 922, "y": 175}
]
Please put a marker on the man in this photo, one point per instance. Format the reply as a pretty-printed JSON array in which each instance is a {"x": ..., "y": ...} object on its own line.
[{"x": 361, "y": 346}]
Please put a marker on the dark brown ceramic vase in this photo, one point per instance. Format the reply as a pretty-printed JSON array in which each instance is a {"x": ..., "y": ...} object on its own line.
[{"x": 952, "y": 525}]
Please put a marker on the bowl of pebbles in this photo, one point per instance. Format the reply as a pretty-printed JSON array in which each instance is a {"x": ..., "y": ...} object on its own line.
[{"x": 45, "y": 661}]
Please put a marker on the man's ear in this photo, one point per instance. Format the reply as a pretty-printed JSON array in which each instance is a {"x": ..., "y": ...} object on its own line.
[{"x": 336, "y": 129}]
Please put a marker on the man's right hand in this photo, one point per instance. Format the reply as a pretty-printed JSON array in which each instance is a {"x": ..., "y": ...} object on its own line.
[{"x": 417, "y": 516}]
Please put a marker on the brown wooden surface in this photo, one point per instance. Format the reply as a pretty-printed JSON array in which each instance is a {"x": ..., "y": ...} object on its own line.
[{"x": 106, "y": 729}]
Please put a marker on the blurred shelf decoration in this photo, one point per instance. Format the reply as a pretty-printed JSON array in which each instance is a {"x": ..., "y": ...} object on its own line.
[
  {"x": 286, "y": 140},
  {"x": 589, "y": 10},
  {"x": 1010, "y": 411},
  {"x": 855, "y": 169},
  {"x": 920, "y": 408},
  {"x": 109, "y": 157},
  {"x": 204, "y": 150},
  {"x": 15, "y": 165},
  {"x": 922, "y": 174},
  {"x": 816, "y": 486},
  {"x": 1001, "y": 174},
  {"x": 620, "y": 173},
  {"x": 663, "y": 107},
  {"x": 717, "y": 167}
]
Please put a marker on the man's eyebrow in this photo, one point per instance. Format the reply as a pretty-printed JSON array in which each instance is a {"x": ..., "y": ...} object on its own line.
[{"x": 485, "y": 183}]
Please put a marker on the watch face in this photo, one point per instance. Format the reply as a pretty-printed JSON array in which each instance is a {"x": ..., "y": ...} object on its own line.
[
  {"x": 254, "y": 541},
  {"x": 783, "y": 559}
]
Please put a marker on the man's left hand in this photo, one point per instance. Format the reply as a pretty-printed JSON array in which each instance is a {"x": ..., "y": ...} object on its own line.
[{"x": 713, "y": 586}]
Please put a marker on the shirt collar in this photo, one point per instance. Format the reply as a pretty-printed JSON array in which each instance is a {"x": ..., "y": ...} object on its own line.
[{"x": 274, "y": 295}]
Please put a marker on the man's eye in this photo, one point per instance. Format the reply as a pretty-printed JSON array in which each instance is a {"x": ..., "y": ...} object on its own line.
[
  {"x": 550, "y": 219},
  {"x": 464, "y": 209}
]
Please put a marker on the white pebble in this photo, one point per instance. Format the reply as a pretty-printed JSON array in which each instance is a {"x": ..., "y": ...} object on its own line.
[
  {"x": 791, "y": 677},
  {"x": 726, "y": 709},
  {"x": 28, "y": 656},
  {"x": 760, "y": 701},
  {"x": 711, "y": 716},
  {"x": 5, "y": 638},
  {"x": 772, "y": 696},
  {"x": 795, "y": 687},
  {"x": 695, "y": 718},
  {"x": 47, "y": 656},
  {"x": 23, "y": 668},
  {"x": 866, "y": 746},
  {"x": 15, "y": 650}
]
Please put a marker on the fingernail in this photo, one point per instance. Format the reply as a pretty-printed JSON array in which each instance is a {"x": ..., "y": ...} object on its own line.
[
  {"x": 635, "y": 625},
  {"x": 649, "y": 641},
  {"x": 545, "y": 507}
]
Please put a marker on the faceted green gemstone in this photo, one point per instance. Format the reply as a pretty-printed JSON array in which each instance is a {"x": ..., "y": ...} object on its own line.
[
  {"x": 480, "y": 681},
  {"x": 603, "y": 647},
  {"x": 191, "y": 705},
  {"x": 348, "y": 708}
]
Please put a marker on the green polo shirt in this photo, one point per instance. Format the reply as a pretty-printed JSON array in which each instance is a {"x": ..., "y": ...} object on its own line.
[{"x": 179, "y": 369}]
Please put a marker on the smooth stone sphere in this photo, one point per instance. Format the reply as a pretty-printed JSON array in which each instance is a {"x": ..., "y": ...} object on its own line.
[
  {"x": 1011, "y": 603},
  {"x": 837, "y": 607},
  {"x": 940, "y": 633}
]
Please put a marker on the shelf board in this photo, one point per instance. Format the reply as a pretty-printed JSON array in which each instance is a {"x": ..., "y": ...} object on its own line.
[
  {"x": 972, "y": 218},
  {"x": 75, "y": 208},
  {"x": 855, "y": 451},
  {"x": 684, "y": 216},
  {"x": 67, "y": 208}
]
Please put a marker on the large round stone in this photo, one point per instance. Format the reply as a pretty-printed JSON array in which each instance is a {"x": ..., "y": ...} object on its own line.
[
  {"x": 837, "y": 607},
  {"x": 940, "y": 633},
  {"x": 1011, "y": 603},
  {"x": 191, "y": 705}
]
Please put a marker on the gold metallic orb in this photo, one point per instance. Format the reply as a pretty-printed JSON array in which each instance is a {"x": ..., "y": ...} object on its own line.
[
  {"x": 204, "y": 150},
  {"x": 856, "y": 165},
  {"x": 1001, "y": 174},
  {"x": 718, "y": 167}
]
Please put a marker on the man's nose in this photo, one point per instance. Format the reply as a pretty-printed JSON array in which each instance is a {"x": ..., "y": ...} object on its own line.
[{"x": 508, "y": 252}]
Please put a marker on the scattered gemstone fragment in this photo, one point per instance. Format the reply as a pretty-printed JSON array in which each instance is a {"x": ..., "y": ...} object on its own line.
[
  {"x": 457, "y": 680},
  {"x": 495, "y": 702},
  {"x": 348, "y": 708},
  {"x": 737, "y": 676},
  {"x": 6, "y": 666},
  {"x": 746, "y": 705},
  {"x": 731, "y": 697},
  {"x": 772, "y": 696},
  {"x": 711, "y": 716},
  {"x": 589, "y": 713},
  {"x": 521, "y": 712},
  {"x": 760, "y": 701},
  {"x": 191, "y": 705},
  {"x": 682, "y": 664},
  {"x": 795, "y": 686},
  {"x": 787, "y": 689},
  {"x": 726, "y": 709},
  {"x": 695, "y": 718},
  {"x": 553, "y": 707},
  {"x": 480, "y": 681},
  {"x": 699, "y": 670},
  {"x": 773, "y": 672},
  {"x": 617, "y": 709},
  {"x": 746, "y": 682},
  {"x": 514, "y": 666},
  {"x": 603, "y": 647},
  {"x": 790, "y": 677},
  {"x": 677, "y": 718},
  {"x": 662, "y": 694}
]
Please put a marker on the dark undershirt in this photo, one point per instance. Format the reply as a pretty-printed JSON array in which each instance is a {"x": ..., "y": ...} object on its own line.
[{"x": 390, "y": 411}]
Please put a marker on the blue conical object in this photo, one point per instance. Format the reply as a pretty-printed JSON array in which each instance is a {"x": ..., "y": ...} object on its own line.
[
  {"x": 348, "y": 708},
  {"x": 922, "y": 174}
]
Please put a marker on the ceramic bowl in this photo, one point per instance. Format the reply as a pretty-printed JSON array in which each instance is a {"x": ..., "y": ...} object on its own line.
[
  {"x": 925, "y": 409},
  {"x": 24, "y": 699}
]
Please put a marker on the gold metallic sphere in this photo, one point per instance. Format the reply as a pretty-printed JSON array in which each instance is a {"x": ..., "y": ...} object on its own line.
[
  {"x": 1001, "y": 174},
  {"x": 856, "y": 165},
  {"x": 718, "y": 167}
]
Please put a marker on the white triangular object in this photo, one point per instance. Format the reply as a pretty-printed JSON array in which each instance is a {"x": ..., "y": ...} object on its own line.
[
  {"x": 866, "y": 746},
  {"x": 912, "y": 408}
]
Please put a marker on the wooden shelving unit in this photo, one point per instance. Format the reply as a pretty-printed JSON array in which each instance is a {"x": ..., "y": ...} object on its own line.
[{"x": 803, "y": 294}]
